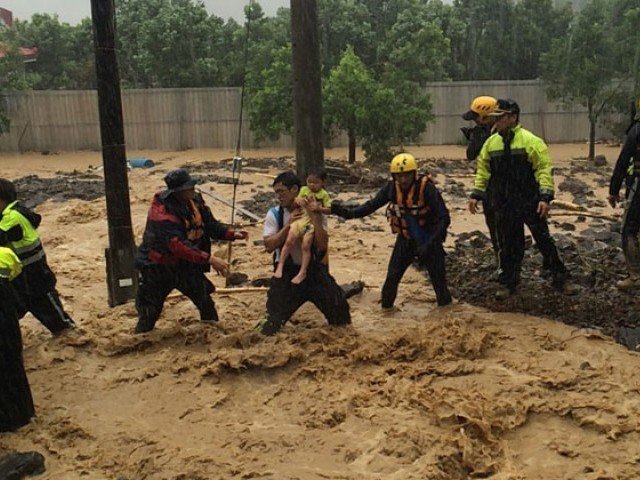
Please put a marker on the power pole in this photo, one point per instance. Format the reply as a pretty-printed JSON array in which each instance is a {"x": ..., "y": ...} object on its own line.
[
  {"x": 121, "y": 275},
  {"x": 307, "y": 89}
]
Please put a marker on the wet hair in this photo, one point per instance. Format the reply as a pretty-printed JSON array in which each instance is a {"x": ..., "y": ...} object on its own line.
[
  {"x": 320, "y": 173},
  {"x": 288, "y": 179},
  {"x": 8, "y": 192}
]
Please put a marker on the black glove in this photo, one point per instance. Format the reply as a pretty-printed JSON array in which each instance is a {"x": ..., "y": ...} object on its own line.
[{"x": 337, "y": 208}]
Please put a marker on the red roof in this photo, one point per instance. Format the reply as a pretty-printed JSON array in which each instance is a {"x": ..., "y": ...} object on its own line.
[
  {"x": 29, "y": 54},
  {"x": 6, "y": 17}
]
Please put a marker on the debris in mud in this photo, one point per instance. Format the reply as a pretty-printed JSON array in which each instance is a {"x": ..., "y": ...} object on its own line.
[
  {"x": 34, "y": 190},
  {"x": 236, "y": 278},
  {"x": 600, "y": 161},
  {"x": 16, "y": 466},
  {"x": 260, "y": 203},
  {"x": 593, "y": 261},
  {"x": 224, "y": 180}
]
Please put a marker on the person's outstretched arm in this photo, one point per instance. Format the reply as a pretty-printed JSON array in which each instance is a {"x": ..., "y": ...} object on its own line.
[{"x": 382, "y": 198}]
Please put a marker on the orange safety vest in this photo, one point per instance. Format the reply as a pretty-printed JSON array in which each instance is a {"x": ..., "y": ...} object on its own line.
[
  {"x": 195, "y": 226},
  {"x": 409, "y": 204}
]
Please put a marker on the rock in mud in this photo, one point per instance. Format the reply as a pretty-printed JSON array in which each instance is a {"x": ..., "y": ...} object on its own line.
[{"x": 16, "y": 466}]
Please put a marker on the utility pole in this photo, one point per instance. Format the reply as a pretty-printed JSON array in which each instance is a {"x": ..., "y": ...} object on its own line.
[
  {"x": 121, "y": 275},
  {"x": 307, "y": 89}
]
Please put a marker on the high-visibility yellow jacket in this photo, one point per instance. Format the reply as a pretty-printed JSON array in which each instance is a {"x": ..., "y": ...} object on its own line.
[
  {"x": 19, "y": 233},
  {"x": 518, "y": 170},
  {"x": 10, "y": 266}
]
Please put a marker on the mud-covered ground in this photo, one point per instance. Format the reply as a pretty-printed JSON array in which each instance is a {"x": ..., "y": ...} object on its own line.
[{"x": 478, "y": 389}]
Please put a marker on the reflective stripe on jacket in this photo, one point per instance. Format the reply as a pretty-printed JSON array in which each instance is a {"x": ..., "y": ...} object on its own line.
[
  {"x": 20, "y": 234},
  {"x": 10, "y": 266}
]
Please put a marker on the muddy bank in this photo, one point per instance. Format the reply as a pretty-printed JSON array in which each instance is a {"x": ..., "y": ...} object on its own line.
[
  {"x": 594, "y": 266},
  {"x": 35, "y": 190}
]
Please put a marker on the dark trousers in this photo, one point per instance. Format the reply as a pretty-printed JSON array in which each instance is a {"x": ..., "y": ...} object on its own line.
[
  {"x": 36, "y": 286},
  {"x": 157, "y": 282},
  {"x": 631, "y": 228},
  {"x": 16, "y": 403},
  {"x": 510, "y": 222},
  {"x": 404, "y": 253},
  {"x": 319, "y": 288},
  {"x": 490, "y": 220}
]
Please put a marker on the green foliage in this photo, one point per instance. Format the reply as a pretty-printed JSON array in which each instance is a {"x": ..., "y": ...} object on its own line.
[
  {"x": 12, "y": 77},
  {"x": 63, "y": 51},
  {"x": 168, "y": 43},
  {"x": 381, "y": 114},
  {"x": 347, "y": 96},
  {"x": 271, "y": 97},
  {"x": 399, "y": 114},
  {"x": 415, "y": 45},
  {"x": 584, "y": 66},
  {"x": 589, "y": 66}
]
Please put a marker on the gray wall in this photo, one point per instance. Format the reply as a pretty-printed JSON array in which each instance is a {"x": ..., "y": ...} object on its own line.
[{"x": 177, "y": 119}]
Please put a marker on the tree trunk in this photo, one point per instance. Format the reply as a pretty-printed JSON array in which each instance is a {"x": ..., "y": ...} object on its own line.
[
  {"x": 352, "y": 147},
  {"x": 307, "y": 91},
  {"x": 592, "y": 132}
]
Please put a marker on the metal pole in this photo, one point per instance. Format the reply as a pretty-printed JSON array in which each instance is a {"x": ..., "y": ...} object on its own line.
[
  {"x": 307, "y": 90},
  {"x": 121, "y": 274}
]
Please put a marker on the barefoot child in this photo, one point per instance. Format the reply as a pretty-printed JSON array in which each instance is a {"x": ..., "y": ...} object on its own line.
[{"x": 302, "y": 229}]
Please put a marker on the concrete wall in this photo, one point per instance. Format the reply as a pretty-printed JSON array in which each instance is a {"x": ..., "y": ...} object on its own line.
[{"x": 177, "y": 119}]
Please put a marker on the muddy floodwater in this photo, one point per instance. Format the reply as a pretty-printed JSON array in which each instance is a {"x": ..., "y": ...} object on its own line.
[{"x": 534, "y": 387}]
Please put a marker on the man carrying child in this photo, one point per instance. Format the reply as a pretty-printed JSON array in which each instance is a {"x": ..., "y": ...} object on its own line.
[
  {"x": 301, "y": 231},
  {"x": 319, "y": 287}
]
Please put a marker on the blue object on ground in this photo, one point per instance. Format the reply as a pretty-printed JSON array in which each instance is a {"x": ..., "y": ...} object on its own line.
[{"x": 141, "y": 162}]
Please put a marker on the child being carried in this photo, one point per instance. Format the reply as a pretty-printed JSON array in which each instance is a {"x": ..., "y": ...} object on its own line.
[{"x": 302, "y": 229}]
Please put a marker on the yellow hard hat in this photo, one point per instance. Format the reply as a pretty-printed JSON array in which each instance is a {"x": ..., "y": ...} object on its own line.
[
  {"x": 403, "y": 162},
  {"x": 481, "y": 106}
]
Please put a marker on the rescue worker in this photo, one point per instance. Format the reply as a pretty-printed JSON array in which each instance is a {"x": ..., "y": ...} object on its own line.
[
  {"x": 16, "y": 403},
  {"x": 37, "y": 283},
  {"x": 319, "y": 287},
  {"x": 176, "y": 251},
  {"x": 628, "y": 168},
  {"x": 479, "y": 112},
  {"x": 419, "y": 218},
  {"x": 514, "y": 175}
]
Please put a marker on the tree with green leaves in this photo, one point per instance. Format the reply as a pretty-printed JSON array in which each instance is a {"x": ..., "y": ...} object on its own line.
[
  {"x": 347, "y": 99},
  {"x": 416, "y": 46},
  {"x": 270, "y": 94},
  {"x": 13, "y": 76},
  {"x": 168, "y": 43},
  {"x": 63, "y": 50},
  {"x": 584, "y": 66}
]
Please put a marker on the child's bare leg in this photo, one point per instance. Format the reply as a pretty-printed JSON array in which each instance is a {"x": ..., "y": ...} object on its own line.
[
  {"x": 285, "y": 252},
  {"x": 307, "y": 241}
]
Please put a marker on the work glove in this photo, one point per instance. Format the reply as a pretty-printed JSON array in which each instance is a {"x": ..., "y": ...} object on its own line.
[{"x": 337, "y": 208}]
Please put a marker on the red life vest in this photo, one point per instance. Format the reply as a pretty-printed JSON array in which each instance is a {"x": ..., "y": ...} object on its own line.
[{"x": 412, "y": 203}]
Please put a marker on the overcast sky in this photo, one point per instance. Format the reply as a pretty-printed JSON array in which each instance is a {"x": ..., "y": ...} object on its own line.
[{"x": 72, "y": 11}]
